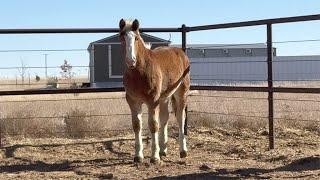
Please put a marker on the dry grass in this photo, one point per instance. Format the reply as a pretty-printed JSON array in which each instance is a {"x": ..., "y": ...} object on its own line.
[
  {"x": 22, "y": 123},
  {"x": 61, "y": 113},
  {"x": 84, "y": 115},
  {"x": 239, "y": 110}
]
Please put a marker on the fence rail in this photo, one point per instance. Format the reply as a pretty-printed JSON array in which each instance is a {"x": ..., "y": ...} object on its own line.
[
  {"x": 256, "y": 23},
  {"x": 81, "y": 30},
  {"x": 184, "y": 30}
]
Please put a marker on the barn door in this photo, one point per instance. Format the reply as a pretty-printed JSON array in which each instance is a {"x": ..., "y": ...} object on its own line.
[{"x": 117, "y": 64}]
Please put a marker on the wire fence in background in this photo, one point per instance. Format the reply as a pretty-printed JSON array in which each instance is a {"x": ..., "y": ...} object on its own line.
[
  {"x": 194, "y": 99},
  {"x": 245, "y": 73}
]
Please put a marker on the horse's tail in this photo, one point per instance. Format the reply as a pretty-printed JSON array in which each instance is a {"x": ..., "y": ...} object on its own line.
[{"x": 176, "y": 85}]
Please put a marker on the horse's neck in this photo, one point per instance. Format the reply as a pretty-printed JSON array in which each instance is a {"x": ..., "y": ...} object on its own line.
[{"x": 143, "y": 56}]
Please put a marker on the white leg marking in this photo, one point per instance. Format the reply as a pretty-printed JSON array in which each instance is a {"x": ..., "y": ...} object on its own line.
[
  {"x": 155, "y": 146},
  {"x": 182, "y": 139},
  {"x": 163, "y": 139},
  {"x": 181, "y": 121},
  {"x": 138, "y": 137}
]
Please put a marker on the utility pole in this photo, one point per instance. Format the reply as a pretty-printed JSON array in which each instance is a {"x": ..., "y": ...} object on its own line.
[{"x": 45, "y": 65}]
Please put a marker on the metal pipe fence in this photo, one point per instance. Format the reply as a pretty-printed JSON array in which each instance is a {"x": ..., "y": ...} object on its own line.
[{"x": 270, "y": 89}]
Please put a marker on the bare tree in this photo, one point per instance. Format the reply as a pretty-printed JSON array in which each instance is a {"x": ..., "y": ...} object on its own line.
[
  {"x": 22, "y": 70},
  {"x": 66, "y": 71}
]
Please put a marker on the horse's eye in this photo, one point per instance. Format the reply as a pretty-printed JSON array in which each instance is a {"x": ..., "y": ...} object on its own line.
[{"x": 136, "y": 38}]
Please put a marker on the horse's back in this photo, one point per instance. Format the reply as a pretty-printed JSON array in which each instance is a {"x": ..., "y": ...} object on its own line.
[
  {"x": 171, "y": 57},
  {"x": 175, "y": 67}
]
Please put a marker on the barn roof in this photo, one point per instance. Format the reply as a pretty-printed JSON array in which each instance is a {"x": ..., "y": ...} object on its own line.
[
  {"x": 115, "y": 38},
  {"x": 224, "y": 46}
]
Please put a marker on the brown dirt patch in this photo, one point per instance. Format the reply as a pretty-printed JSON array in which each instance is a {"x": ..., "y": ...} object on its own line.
[{"x": 213, "y": 153}]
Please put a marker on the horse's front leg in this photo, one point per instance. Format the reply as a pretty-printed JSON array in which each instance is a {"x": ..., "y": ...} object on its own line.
[
  {"x": 136, "y": 113},
  {"x": 153, "y": 122}
]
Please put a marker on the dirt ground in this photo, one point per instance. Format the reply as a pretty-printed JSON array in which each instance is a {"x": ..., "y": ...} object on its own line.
[{"x": 213, "y": 153}]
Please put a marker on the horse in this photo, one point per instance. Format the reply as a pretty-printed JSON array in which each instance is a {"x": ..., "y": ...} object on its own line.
[{"x": 154, "y": 77}]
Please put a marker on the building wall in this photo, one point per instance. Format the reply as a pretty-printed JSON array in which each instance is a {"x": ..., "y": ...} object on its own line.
[
  {"x": 236, "y": 52},
  {"x": 297, "y": 68},
  {"x": 118, "y": 65},
  {"x": 225, "y": 70},
  {"x": 100, "y": 63}
]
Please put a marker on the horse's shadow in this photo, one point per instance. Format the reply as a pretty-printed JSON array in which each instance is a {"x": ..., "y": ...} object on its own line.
[
  {"x": 25, "y": 164},
  {"x": 304, "y": 164}
]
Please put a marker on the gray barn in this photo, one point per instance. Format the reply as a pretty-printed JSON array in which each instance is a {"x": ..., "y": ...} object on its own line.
[
  {"x": 226, "y": 50},
  {"x": 107, "y": 62},
  {"x": 213, "y": 64}
]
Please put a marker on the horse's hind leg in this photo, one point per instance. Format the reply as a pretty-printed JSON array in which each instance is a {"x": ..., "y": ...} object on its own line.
[
  {"x": 163, "y": 138},
  {"x": 181, "y": 100},
  {"x": 136, "y": 113}
]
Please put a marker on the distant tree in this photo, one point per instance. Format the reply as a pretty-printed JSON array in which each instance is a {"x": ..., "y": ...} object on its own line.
[
  {"x": 22, "y": 70},
  {"x": 66, "y": 71}
]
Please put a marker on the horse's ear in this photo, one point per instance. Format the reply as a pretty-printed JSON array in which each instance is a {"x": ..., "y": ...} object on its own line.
[
  {"x": 122, "y": 24},
  {"x": 135, "y": 25}
]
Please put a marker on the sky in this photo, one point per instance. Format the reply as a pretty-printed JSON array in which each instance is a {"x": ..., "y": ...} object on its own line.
[{"x": 164, "y": 13}]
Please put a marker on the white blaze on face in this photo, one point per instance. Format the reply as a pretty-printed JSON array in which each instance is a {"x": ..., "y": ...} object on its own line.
[{"x": 130, "y": 49}]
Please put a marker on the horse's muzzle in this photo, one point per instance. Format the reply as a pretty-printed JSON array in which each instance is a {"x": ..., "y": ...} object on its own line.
[{"x": 131, "y": 64}]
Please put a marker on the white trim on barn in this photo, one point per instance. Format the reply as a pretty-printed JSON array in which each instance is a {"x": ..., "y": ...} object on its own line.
[
  {"x": 91, "y": 64},
  {"x": 110, "y": 64}
]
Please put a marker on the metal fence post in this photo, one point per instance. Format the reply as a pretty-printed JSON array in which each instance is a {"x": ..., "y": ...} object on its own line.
[
  {"x": 270, "y": 85},
  {"x": 184, "y": 37},
  {"x": 184, "y": 47}
]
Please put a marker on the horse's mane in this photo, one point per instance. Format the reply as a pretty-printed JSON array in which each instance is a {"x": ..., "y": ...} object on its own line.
[{"x": 147, "y": 45}]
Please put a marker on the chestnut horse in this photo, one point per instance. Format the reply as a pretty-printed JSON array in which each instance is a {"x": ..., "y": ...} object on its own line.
[{"x": 154, "y": 77}]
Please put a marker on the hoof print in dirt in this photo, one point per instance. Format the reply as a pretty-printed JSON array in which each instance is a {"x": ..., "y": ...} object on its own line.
[
  {"x": 182, "y": 162},
  {"x": 106, "y": 176},
  {"x": 204, "y": 167}
]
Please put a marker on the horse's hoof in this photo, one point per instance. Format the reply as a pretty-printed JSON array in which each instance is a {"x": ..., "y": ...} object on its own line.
[
  {"x": 137, "y": 159},
  {"x": 183, "y": 154},
  {"x": 163, "y": 154},
  {"x": 154, "y": 161}
]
